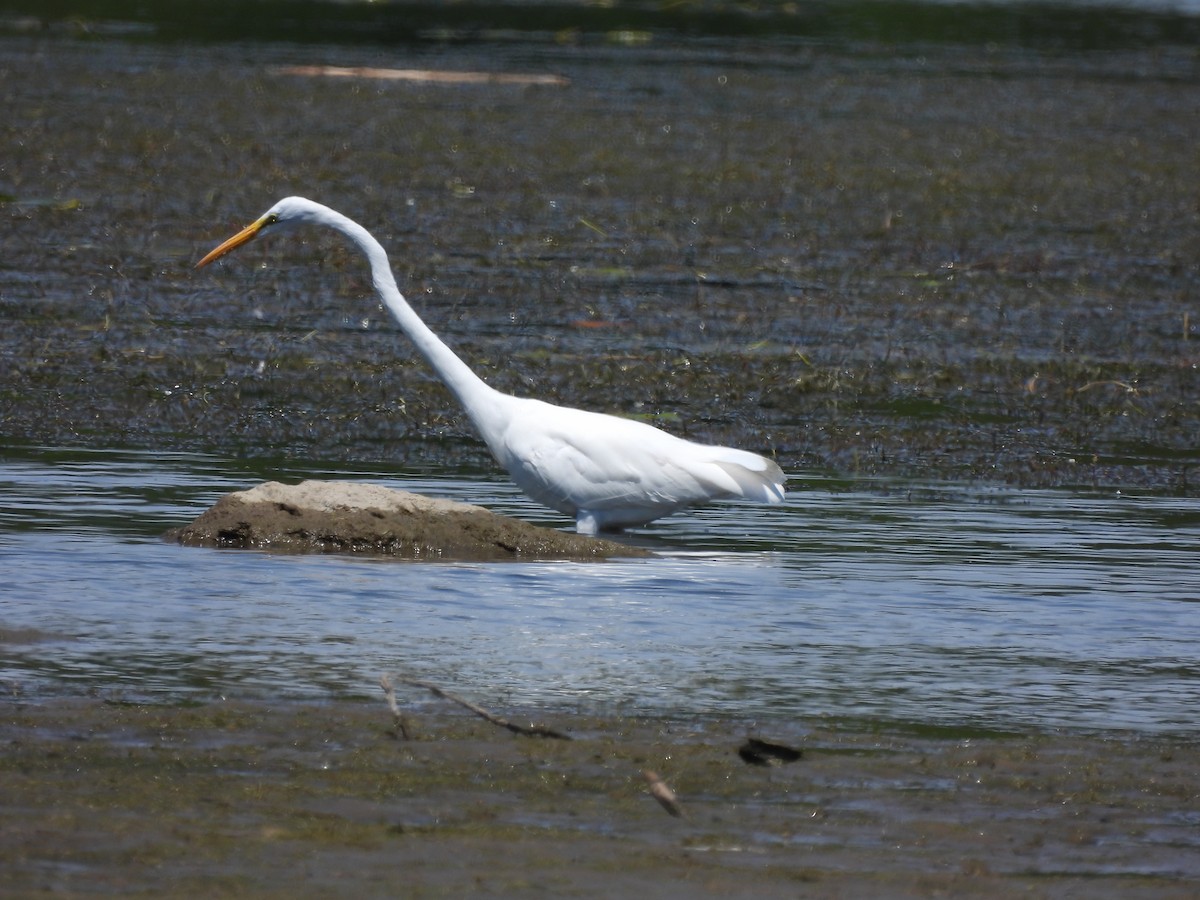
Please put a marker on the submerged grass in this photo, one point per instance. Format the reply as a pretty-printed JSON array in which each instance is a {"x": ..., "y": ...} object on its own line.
[{"x": 869, "y": 258}]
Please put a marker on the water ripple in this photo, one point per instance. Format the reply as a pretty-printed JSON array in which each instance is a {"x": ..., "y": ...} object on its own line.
[{"x": 926, "y": 603}]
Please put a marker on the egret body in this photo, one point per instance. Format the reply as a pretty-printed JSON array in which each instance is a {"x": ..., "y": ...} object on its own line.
[{"x": 605, "y": 472}]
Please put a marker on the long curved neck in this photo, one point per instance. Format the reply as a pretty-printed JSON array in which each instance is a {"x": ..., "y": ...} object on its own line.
[{"x": 471, "y": 390}]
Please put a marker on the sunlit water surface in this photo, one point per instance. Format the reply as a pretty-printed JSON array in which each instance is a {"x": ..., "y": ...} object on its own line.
[{"x": 900, "y": 602}]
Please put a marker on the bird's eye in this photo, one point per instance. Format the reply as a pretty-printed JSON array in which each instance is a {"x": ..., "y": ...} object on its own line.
[{"x": 272, "y": 219}]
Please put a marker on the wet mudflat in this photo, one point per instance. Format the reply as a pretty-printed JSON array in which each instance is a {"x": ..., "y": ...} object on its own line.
[
  {"x": 230, "y": 799},
  {"x": 970, "y": 260}
]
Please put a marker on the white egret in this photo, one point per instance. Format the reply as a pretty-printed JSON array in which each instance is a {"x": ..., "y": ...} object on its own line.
[{"x": 604, "y": 471}]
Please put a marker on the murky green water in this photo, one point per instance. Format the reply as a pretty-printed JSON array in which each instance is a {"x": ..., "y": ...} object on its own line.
[{"x": 929, "y": 604}]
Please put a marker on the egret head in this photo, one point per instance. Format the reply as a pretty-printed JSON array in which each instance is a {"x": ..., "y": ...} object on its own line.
[{"x": 288, "y": 212}]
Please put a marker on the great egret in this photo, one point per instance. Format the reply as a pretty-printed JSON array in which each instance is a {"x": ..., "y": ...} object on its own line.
[{"x": 606, "y": 472}]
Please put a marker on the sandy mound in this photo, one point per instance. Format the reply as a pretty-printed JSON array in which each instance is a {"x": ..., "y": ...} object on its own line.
[{"x": 346, "y": 517}]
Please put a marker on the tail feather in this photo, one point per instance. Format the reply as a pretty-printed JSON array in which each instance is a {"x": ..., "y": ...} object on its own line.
[{"x": 758, "y": 478}]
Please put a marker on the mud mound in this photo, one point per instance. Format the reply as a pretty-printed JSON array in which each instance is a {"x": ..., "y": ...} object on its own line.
[{"x": 346, "y": 517}]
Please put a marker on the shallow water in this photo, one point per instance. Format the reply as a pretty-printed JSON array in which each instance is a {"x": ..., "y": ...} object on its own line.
[{"x": 929, "y": 604}]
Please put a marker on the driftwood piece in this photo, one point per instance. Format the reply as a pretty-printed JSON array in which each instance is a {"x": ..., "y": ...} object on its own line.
[{"x": 425, "y": 76}]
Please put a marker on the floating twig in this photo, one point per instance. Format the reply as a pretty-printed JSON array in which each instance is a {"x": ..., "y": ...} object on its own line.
[
  {"x": 428, "y": 76},
  {"x": 1125, "y": 386},
  {"x": 663, "y": 794},
  {"x": 527, "y": 730}
]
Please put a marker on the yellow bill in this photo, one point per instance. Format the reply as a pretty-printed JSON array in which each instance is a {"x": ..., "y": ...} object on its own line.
[{"x": 246, "y": 234}]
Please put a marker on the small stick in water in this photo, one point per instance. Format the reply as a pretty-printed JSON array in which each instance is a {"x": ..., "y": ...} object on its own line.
[
  {"x": 663, "y": 794},
  {"x": 528, "y": 730},
  {"x": 389, "y": 691}
]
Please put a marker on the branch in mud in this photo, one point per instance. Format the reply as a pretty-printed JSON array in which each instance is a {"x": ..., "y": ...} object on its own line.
[{"x": 527, "y": 730}]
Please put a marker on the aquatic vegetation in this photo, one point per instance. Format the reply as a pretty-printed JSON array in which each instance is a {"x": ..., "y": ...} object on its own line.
[{"x": 850, "y": 259}]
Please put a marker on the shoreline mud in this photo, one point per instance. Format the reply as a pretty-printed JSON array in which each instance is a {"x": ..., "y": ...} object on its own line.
[{"x": 293, "y": 799}]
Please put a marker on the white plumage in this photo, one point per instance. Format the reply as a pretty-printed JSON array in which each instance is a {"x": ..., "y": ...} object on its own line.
[{"x": 604, "y": 471}]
